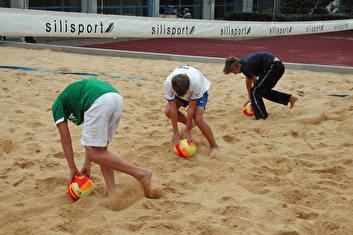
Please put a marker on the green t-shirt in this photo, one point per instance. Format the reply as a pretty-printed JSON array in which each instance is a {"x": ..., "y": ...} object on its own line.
[{"x": 77, "y": 98}]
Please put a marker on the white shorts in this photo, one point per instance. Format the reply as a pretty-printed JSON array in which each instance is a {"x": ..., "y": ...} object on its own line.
[{"x": 101, "y": 120}]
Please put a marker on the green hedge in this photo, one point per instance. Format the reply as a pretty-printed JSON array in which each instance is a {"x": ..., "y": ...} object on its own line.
[{"x": 258, "y": 16}]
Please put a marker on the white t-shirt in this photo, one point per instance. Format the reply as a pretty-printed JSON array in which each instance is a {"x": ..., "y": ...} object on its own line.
[{"x": 198, "y": 84}]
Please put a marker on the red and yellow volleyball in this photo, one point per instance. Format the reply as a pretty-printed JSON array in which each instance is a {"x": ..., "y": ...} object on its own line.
[
  {"x": 185, "y": 148},
  {"x": 80, "y": 186},
  {"x": 247, "y": 109}
]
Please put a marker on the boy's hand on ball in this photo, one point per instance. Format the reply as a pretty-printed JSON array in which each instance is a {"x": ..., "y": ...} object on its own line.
[
  {"x": 176, "y": 139},
  {"x": 73, "y": 173},
  {"x": 188, "y": 136},
  {"x": 86, "y": 170}
]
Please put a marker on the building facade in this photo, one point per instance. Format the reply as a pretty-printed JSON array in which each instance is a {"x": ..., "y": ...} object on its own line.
[{"x": 200, "y": 9}]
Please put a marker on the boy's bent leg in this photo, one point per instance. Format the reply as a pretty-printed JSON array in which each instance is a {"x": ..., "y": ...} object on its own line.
[
  {"x": 258, "y": 103},
  {"x": 106, "y": 159},
  {"x": 278, "y": 97},
  {"x": 281, "y": 98},
  {"x": 205, "y": 129},
  {"x": 109, "y": 178},
  {"x": 263, "y": 87},
  {"x": 181, "y": 116}
]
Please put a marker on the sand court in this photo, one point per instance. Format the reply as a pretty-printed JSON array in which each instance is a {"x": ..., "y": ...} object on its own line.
[{"x": 289, "y": 174}]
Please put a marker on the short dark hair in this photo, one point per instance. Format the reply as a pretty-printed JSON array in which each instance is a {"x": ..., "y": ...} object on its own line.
[
  {"x": 180, "y": 84},
  {"x": 231, "y": 64}
]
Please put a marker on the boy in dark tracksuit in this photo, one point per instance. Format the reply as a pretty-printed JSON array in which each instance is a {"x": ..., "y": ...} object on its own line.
[{"x": 269, "y": 69}]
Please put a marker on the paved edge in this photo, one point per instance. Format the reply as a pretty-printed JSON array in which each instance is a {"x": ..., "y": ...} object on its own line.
[{"x": 170, "y": 57}]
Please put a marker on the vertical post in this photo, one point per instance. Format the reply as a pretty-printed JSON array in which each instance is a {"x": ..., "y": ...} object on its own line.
[
  {"x": 248, "y": 5},
  {"x": 21, "y": 4},
  {"x": 154, "y": 5},
  {"x": 89, "y": 6},
  {"x": 208, "y": 10},
  {"x": 274, "y": 9}
]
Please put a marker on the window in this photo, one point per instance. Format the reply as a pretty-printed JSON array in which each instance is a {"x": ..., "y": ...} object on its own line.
[
  {"x": 4, "y": 3},
  {"x": 124, "y": 7},
  {"x": 56, "y": 5},
  {"x": 224, "y": 6},
  {"x": 195, "y": 7}
]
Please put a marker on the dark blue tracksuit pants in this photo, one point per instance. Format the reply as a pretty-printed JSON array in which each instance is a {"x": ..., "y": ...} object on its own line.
[{"x": 263, "y": 89}]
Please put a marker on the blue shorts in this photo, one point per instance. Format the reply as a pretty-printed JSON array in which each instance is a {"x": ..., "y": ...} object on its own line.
[{"x": 200, "y": 102}]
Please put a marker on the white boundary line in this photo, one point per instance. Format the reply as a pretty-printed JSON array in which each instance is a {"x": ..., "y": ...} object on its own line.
[{"x": 170, "y": 57}]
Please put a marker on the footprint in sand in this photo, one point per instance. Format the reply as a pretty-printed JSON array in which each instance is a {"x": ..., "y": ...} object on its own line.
[
  {"x": 313, "y": 120},
  {"x": 6, "y": 145}
]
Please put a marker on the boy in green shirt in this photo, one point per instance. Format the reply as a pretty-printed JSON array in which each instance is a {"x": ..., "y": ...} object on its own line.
[{"x": 98, "y": 106}]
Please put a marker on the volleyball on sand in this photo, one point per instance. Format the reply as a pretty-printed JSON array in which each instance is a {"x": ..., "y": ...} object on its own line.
[
  {"x": 80, "y": 186},
  {"x": 185, "y": 148},
  {"x": 247, "y": 109}
]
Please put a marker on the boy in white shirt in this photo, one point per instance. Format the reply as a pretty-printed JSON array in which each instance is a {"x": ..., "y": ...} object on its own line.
[{"x": 187, "y": 87}]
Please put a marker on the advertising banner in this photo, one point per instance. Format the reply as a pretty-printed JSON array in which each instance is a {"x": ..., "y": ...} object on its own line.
[{"x": 18, "y": 22}]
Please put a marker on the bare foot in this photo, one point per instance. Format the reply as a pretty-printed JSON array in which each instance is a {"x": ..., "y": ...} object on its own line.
[
  {"x": 111, "y": 193},
  {"x": 146, "y": 182},
  {"x": 213, "y": 151},
  {"x": 292, "y": 101}
]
